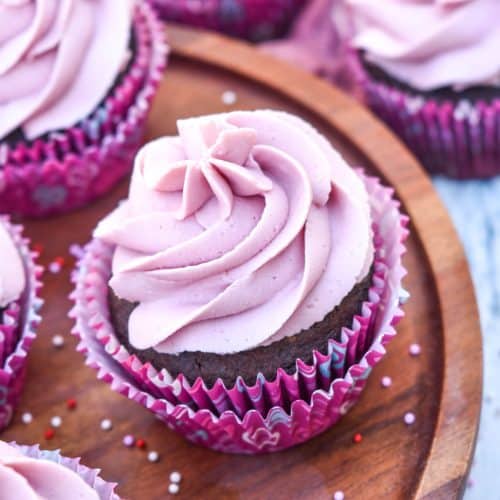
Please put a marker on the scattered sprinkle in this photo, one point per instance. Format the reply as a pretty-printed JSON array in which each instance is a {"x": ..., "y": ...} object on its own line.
[
  {"x": 58, "y": 341},
  {"x": 229, "y": 97},
  {"x": 38, "y": 248},
  {"x": 175, "y": 477},
  {"x": 54, "y": 267},
  {"x": 60, "y": 260},
  {"x": 140, "y": 443},
  {"x": 49, "y": 433},
  {"x": 409, "y": 418},
  {"x": 173, "y": 488},
  {"x": 153, "y": 456},
  {"x": 106, "y": 424},
  {"x": 415, "y": 349},
  {"x": 338, "y": 495},
  {"x": 27, "y": 418},
  {"x": 56, "y": 421},
  {"x": 357, "y": 438},
  {"x": 128, "y": 440},
  {"x": 71, "y": 404},
  {"x": 386, "y": 381}
]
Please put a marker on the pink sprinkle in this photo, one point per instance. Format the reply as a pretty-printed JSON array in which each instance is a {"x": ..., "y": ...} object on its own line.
[
  {"x": 414, "y": 349},
  {"x": 409, "y": 418},
  {"x": 128, "y": 440},
  {"x": 386, "y": 381},
  {"x": 338, "y": 495},
  {"x": 55, "y": 267}
]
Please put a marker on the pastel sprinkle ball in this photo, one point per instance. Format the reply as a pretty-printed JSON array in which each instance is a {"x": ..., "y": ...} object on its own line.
[
  {"x": 106, "y": 424},
  {"x": 175, "y": 477},
  {"x": 173, "y": 488},
  {"x": 56, "y": 421},
  {"x": 140, "y": 443},
  {"x": 49, "y": 433},
  {"x": 58, "y": 341},
  {"x": 128, "y": 440},
  {"x": 338, "y": 495},
  {"x": 55, "y": 267},
  {"x": 71, "y": 404},
  {"x": 357, "y": 438},
  {"x": 414, "y": 349},
  {"x": 409, "y": 418},
  {"x": 27, "y": 418},
  {"x": 228, "y": 97},
  {"x": 386, "y": 381},
  {"x": 153, "y": 456}
]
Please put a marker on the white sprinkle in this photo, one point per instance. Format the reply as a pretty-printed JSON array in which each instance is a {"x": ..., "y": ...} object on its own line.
[
  {"x": 175, "y": 477},
  {"x": 228, "y": 97},
  {"x": 386, "y": 381},
  {"x": 409, "y": 418},
  {"x": 404, "y": 295},
  {"x": 27, "y": 418},
  {"x": 106, "y": 424},
  {"x": 338, "y": 495},
  {"x": 414, "y": 349},
  {"x": 153, "y": 456},
  {"x": 173, "y": 488},
  {"x": 56, "y": 421},
  {"x": 55, "y": 267},
  {"x": 58, "y": 341}
]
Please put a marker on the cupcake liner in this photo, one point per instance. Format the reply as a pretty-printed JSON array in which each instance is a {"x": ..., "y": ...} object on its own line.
[
  {"x": 105, "y": 490},
  {"x": 252, "y": 19},
  {"x": 271, "y": 415},
  {"x": 69, "y": 169},
  {"x": 18, "y": 329},
  {"x": 458, "y": 139}
]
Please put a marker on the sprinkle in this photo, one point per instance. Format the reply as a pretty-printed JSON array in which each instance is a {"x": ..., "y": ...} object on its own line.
[
  {"x": 173, "y": 488},
  {"x": 49, "y": 433},
  {"x": 414, "y": 349},
  {"x": 338, "y": 495},
  {"x": 228, "y": 97},
  {"x": 175, "y": 477},
  {"x": 409, "y": 418},
  {"x": 56, "y": 421},
  {"x": 55, "y": 267},
  {"x": 38, "y": 248},
  {"x": 386, "y": 381},
  {"x": 404, "y": 296},
  {"x": 71, "y": 404},
  {"x": 106, "y": 424},
  {"x": 140, "y": 443},
  {"x": 128, "y": 440},
  {"x": 357, "y": 438},
  {"x": 59, "y": 260},
  {"x": 58, "y": 341},
  {"x": 27, "y": 418},
  {"x": 153, "y": 456}
]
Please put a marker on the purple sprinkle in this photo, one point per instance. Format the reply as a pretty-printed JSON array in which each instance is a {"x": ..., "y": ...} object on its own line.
[
  {"x": 414, "y": 349},
  {"x": 409, "y": 418},
  {"x": 386, "y": 381},
  {"x": 128, "y": 440},
  {"x": 54, "y": 267}
]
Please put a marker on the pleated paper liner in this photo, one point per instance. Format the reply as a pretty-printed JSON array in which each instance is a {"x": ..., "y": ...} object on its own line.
[
  {"x": 19, "y": 331},
  {"x": 72, "y": 167}
]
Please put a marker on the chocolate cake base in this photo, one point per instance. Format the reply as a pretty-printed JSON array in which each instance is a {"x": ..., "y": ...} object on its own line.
[{"x": 247, "y": 364}]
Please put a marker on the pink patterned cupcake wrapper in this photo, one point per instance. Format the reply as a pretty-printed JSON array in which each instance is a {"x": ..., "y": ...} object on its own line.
[
  {"x": 71, "y": 168},
  {"x": 105, "y": 490},
  {"x": 458, "y": 139},
  {"x": 253, "y": 19},
  {"x": 17, "y": 341},
  {"x": 272, "y": 415}
]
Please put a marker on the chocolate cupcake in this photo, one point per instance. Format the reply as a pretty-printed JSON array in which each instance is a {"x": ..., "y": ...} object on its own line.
[
  {"x": 431, "y": 73},
  {"x": 67, "y": 136}
]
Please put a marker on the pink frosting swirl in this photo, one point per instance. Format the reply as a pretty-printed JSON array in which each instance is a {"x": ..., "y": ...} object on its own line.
[
  {"x": 25, "y": 478},
  {"x": 431, "y": 43},
  {"x": 245, "y": 228},
  {"x": 12, "y": 277},
  {"x": 58, "y": 60}
]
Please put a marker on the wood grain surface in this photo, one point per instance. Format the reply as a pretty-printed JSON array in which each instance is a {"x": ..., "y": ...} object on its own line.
[{"x": 442, "y": 386}]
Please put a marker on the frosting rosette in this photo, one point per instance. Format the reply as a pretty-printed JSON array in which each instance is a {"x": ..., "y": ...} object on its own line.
[
  {"x": 26, "y": 478},
  {"x": 246, "y": 228},
  {"x": 12, "y": 276},
  {"x": 51, "y": 52},
  {"x": 430, "y": 44}
]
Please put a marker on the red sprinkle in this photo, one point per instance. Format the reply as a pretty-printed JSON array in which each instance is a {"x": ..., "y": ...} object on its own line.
[
  {"x": 357, "y": 438},
  {"x": 38, "y": 248},
  {"x": 49, "y": 433},
  {"x": 71, "y": 404},
  {"x": 60, "y": 261},
  {"x": 140, "y": 443}
]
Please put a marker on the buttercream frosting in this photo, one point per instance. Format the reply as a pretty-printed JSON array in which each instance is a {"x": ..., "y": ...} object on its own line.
[
  {"x": 12, "y": 276},
  {"x": 58, "y": 60},
  {"x": 245, "y": 228},
  {"x": 430, "y": 44},
  {"x": 25, "y": 478}
]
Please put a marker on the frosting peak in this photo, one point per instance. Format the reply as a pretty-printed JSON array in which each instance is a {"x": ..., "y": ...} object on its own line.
[
  {"x": 12, "y": 277},
  {"x": 245, "y": 228}
]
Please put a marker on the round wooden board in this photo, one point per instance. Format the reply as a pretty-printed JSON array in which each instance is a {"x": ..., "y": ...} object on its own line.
[{"x": 442, "y": 386}]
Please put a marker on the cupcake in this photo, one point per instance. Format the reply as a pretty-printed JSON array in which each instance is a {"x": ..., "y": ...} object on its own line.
[
  {"x": 67, "y": 136},
  {"x": 432, "y": 74},
  {"x": 26, "y": 473},
  {"x": 255, "y": 20},
  {"x": 249, "y": 271},
  {"x": 19, "y": 304}
]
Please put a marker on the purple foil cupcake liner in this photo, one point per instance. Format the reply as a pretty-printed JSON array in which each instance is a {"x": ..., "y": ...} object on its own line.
[
  {"x": 458, "y": 139},
  {"x": 252, "y": 19},
  {"x": 18, "y": 332},
  {"x": 272, "y": 415},
  {"x": 71, "y": 168},
  {"x": 105, "y": 490}
]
